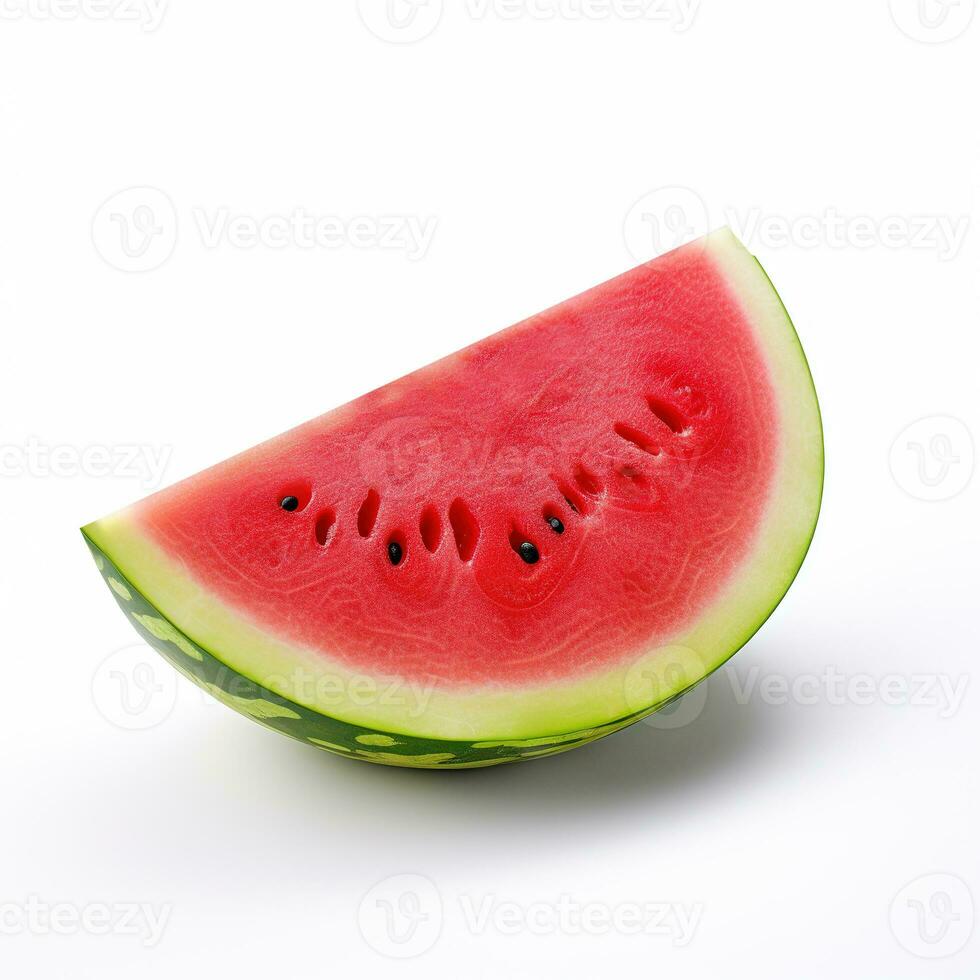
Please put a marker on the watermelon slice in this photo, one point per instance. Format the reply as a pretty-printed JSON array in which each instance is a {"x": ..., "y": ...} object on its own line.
[{"x": 516, "y": 550}]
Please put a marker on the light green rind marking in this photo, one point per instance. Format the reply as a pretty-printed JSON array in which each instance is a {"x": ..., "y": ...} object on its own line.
[
  {"x": 415, "y": 761},
  {"x": 256, "y": 707},
  {"x": 551, "y": 751},
  {"x": 424, "y": 760},
  {"x": 530, "y": 742},
  {"x": 328, "y": 745},
  {"x": 120, "y": 589},
  {"x": 476, "y": 765},
  {"x": 385, "y": 740},
  {"x": 167, "y": 632}
]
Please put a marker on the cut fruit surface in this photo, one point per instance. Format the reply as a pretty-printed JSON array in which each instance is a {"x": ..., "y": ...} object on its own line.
[{"x": 526, "y": 545}]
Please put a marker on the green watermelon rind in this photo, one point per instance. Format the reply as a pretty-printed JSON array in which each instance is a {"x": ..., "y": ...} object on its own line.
[{"x": 251, "y": 699}]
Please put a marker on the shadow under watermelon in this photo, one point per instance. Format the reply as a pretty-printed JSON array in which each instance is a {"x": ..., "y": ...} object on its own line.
[{"x": 708, "y": 741}]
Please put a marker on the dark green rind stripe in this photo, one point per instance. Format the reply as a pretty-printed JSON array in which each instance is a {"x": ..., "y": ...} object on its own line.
[{"x": 297, "y": 721}]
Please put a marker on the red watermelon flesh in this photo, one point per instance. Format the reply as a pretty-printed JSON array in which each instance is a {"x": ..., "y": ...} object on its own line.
[{"x": 537, "y": 510}]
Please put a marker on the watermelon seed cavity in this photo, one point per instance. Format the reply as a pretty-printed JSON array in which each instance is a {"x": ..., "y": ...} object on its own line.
[
  {"x": 589, "y": 482},
  {"x": 574, "y": 500},
  {"x": 633, "y": 475},
  {"x": 295, "y": 495},
  {"x": 637, "y": 438},
  {"x": 667, "y": 414},
  {"x": 528, "y": 552},
  {"x": 524, "y": 548},
  {"x": 466, "y": 530},
  {"x": 368, "y": 513},
  {"x": 324, "y": 523},
  {"x": 430, "y": 528}
]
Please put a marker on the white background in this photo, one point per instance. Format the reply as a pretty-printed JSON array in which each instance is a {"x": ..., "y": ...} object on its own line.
[{"x": 548, "y": 153}]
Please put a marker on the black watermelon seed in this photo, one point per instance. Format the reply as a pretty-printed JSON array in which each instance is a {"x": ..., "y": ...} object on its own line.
[
  {"x": 394, "y": 552},
  {"x": 556, "y": 525},
  {"x": 289, "y": 503},
  {"x": 528, "y": 552}
]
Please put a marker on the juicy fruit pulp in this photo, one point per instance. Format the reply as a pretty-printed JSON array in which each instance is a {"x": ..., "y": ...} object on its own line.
[{"x": 532, "y": 542}]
